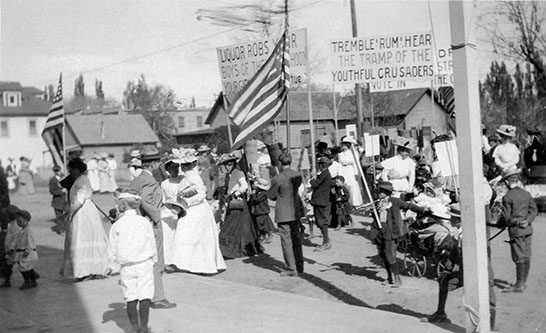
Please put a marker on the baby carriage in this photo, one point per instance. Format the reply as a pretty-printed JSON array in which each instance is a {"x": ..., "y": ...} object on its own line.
[{"x": 428, "y": 243}]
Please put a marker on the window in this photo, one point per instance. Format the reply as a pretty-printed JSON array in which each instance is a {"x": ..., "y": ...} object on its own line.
[
  {"x": 199, "y": 121},
  {"x": 32, "y": 128},
  {"x": 181, "y": 122},
  {"x": 305, "y": 138},
  {"x": 4, "y": 129},
  {"x": 12, "y": 99}
]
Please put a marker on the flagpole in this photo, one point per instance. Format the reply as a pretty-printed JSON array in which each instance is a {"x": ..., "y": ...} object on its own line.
[
  {"x": 228, "y": 121},
  {"x": 65, "y": 170},
  {"x": 288, "y": 94},
  {"x": 310, "y": 102}
]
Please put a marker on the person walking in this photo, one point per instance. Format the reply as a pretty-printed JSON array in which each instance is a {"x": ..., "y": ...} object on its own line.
[
  {"x": 26, "y": 176},
  {"x": 149, "y": 190},
  {"x": 320, "y": 200},
  {"x": 519, "y": 210},
  {"x": 288, "y": 212}
]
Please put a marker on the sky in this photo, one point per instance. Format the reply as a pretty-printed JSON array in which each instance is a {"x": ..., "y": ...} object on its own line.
[{"x": 117, "y": 41}]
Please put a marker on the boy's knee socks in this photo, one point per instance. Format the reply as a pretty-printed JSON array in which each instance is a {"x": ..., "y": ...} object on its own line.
[{"x": 144, "y": 311}]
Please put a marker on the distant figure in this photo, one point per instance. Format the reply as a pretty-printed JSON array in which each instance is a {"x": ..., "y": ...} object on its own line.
[
  {"x": 93, "y": 172},
  {"x": 12, "y": 174},
  {"x": 26, "y": 176},
  {"x": 104, "y": 174},
  {"x": 112, "y": 166},
  {"x": 506, "y": 154},
  {"x": 349, "y": 169},
  {"x": 264, "y": 161},
  {"x": 204, "y": 167}
]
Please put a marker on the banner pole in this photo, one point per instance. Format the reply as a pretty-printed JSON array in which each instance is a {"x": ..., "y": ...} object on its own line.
[
  {"x": 359, "y": 167},
  {"x": 228, "y": 121}
]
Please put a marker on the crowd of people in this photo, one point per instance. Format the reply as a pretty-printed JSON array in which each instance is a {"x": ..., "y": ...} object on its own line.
[{"x": 191, "y": 209}]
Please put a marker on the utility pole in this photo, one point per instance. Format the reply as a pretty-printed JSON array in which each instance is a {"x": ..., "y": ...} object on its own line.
[
  {"x": 467, "y": 100},
  {"x": 358, "y": 86}
]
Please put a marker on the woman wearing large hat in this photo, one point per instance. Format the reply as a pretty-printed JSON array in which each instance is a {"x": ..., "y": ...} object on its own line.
[
  {"x": 238, "y": 235},
  {"x": 205, "y": 165},
  {"x": 195, "y": 247},
  {"x": 349, "y": 169},
  {"x": 399, "y": 170},
  {"x": 506, "y": 154}
]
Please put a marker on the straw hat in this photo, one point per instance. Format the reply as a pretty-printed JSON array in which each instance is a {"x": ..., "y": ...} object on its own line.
[
  {"x": 507, "y": 130},
  {"x": 509, "y": 173},
  {"x": 404, "y": 142},
  {"x": 349, "y": 139},
  {"x": 150, "y": 153},
  {"x": 225, "y": 158},
  {"x": 262, "y": 183},
  {"x": 203, "y": 148}
]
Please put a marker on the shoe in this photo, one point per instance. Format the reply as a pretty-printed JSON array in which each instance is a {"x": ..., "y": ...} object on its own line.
[
  {"x": 397, "y": 281},
  {"x": 28, "y": 285},
  {"x": 337, "y": 228},
  {"x": 98, "y": 277},
  {"x": 289, "y": 273},
  {"x": 438, "y": 317},
  {"x": 323, "y": 247},
  {"x": 163, "y": 304}
]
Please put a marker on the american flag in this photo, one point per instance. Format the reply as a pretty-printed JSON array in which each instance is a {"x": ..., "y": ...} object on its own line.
[
  {"x": 261, "y": 100},
  {"x": 53, "y": 129}
]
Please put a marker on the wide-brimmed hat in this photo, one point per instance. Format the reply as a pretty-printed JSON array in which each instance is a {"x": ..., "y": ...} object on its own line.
[
  {"x": 349, "y": 139},
  {"x": 173, "y": 203},
  {"x": 135, "y": 163},
  {"x": 203, "y": 148},
  {"x": 188, "y": 155},
  {"x": 403, "y": 142},
  {"x": 150, "y": 153},
  {"x": 136, "y": 153},
  {"x": 25, "y": 214},
  {"x": 454, "y": 210},
  {"x": 224, "y": 158},
  {"x": 507, "y": 130},
  {"x": 262, "y": 183},
  {"x": 509, "y": 173},
  {"x": 385, "y": 186},
  {"x": 440, "y": 211}
]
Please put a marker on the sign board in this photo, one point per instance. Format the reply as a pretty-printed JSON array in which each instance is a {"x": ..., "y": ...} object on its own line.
[
  {"x": 371, "y": 145},
  {"x": 239, "y": 62},
  {"x": 350, "y": 130},
  {"x": 402, "y": 57},
  {"x": 443, "y": 75},
  {"x": 448, "y": 157}
]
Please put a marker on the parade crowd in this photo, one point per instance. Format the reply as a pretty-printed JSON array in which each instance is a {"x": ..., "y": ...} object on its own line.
[{"x": 188, "y": 210}]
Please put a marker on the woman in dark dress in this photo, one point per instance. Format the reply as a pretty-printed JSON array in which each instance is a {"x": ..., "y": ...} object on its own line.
[{"x": 238, "y": 236}]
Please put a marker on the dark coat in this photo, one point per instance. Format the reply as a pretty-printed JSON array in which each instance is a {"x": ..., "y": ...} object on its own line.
[
  {"x": 518, "y": 206},
  {"x": 321, "y": 189},
  {"x": 152, "y": 196},
  {"x": 259, "y": 203},
  {"x": 58, "y": 200},
  {"x": 393, "y": 228},
  {"x": 284, "y": 190},
  {"x": 341, "y": 196}
]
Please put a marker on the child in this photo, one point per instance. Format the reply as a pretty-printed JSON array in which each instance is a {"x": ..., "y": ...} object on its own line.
[
  {"x": 25, "y": 250},
  {"x": 341, "y": 196},
  {"x": 132, "y": 245},
  {"x": 260, "y": 208},
  {"x": 10, "y": 243},
  {"x": 389, "y": 229}
]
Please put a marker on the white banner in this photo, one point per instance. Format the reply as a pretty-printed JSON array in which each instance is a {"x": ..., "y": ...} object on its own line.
[
  {"x": 239, "y": 62},
  {"x": 399, "y": 57},
  {"x": 443, "y": 75}
]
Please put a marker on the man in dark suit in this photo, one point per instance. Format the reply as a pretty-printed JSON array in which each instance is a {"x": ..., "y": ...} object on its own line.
[
  {"x": 320, "y": 200},
  {"x": 58, "y": 200},
  {"x": 288, "y": 211},
  {"x": 152, "y": 200},
  {"x": 518, "y": 213}
]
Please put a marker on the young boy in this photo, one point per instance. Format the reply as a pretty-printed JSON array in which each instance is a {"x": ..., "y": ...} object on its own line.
[
  {"x": 25, "y": 250},
  {"x": 320, "y": 199},
  {"x": 132, "y": 245},
  {"x": 389, "y": 229},
  {"x": 260, "y": 208},
  {"x": 341, "y": 197},
  {"x": 10, "y": 243}
]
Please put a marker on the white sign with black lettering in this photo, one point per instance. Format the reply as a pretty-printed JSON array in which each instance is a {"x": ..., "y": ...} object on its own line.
[
  {"x": 399, "y": 57},
  {"x": 239, "y": 62}
]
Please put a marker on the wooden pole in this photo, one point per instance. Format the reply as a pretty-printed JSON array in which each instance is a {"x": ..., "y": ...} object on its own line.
[
  {"x": 361, "y": 173},
  {"x": 476, "y": 289},
  {"x": 228, "y": 120},
  {"x": 286, "y": 24},
  {"x": 335, "y": 114},
  {"x": 310, "y": 103},
  {"x": 358, "y": 87}
]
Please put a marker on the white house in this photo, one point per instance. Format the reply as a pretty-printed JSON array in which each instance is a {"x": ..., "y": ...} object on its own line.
[{"x": 23, "y": 114}]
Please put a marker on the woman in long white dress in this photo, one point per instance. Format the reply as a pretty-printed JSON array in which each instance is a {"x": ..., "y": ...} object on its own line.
[
  {"x": 93, "y": 172},
  {"x": 170, "y": 191},
  {"x": 86, "y": 242},
  {"x": 195, "y": 248},
  {"x": 399, "y": 170},
  {"x": 349, "y": 170}
]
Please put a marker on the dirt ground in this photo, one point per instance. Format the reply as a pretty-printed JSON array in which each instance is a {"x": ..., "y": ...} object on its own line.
[{"x": 351, "y": 272}]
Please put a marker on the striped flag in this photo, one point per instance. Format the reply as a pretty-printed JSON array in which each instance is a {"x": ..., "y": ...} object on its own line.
[
  {"x": 53, "y": 129},
  {"x": 261, "y": 100}
]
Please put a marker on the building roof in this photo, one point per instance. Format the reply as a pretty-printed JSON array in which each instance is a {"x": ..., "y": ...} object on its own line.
[
  {"x": 203, "y": 131},
  {"x": 31, "y": 91},
  {"x": 32, "y": 107},
  {"x": 394, "y": 103},
  {"x": 96, "y": 130},
  {"x": 10, "y": 86}
]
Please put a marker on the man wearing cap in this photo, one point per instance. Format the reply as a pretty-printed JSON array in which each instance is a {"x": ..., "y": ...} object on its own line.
[
  {"x": 288, "y": 211},
  {"x": 518, "y": 213},
  {"x": 149, "y": 190},
  {"x": 58, "y": 201},
  {"x": 320, "y": 200}
]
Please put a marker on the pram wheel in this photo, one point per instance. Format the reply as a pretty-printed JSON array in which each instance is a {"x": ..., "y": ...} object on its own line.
[{"x": 415, "y": 263}]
